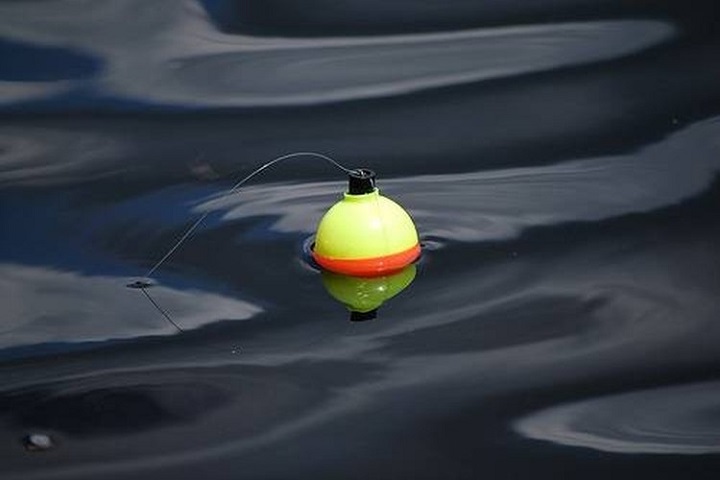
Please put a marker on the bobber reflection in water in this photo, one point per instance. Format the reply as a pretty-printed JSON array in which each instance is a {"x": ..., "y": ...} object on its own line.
[
  {"x": 366, "y": 244},
  {"x": 364, "y": 295}
]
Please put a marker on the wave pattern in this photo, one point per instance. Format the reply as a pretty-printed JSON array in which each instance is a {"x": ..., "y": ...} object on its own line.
[
  {"x": 179, "y": 59},
  {"x": 679, "y": 420},
  {"x": 563, "y": 175}
]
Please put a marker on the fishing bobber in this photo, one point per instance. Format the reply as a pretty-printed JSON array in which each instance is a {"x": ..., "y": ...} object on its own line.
[{"x": 365, "y": 234}]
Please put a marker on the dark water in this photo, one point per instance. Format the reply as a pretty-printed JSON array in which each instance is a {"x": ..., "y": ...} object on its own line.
[{"x": 560, "y": 159}]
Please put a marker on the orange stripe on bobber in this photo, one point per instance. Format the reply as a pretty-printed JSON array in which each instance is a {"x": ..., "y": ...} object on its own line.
[{"x": 369, "y": 267}]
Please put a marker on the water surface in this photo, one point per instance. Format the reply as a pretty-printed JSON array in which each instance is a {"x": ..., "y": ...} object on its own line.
[{"x": 560, "y": 160}]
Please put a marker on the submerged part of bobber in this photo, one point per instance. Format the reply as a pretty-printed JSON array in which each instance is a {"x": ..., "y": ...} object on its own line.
[
  {"x": 364, "y": 295},
  {"x": 365, "y": 234}
]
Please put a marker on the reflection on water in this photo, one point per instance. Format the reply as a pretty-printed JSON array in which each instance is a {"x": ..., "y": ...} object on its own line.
[
  {"x": 364, "y": 296},
  {"x": 50, "y": 306},
  {"x": 500, "y": 204},
  {"x": 561, "y": 164},
  {"x": 672, "y": 420},
  {"x": 181, "y": 46}
]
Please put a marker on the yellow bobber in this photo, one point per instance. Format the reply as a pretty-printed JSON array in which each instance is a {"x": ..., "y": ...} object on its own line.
[{"x": 365, "y": 234}]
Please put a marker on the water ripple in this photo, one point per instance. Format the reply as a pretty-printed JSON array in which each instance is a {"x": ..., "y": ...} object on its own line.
[
  {"x": 677, "y": 420},
  {"x": 499, "y": 204},
  {"x": 48, "y": 155},
  {"x": 173, "y": 55},
  {"x": 38, "y": 303},
  {"x": 114, "y": 420}
]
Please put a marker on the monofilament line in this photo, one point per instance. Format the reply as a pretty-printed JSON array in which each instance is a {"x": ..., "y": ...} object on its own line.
[
  {"x": 234, "y": 189},
  {"x": 161, "y": 310}
]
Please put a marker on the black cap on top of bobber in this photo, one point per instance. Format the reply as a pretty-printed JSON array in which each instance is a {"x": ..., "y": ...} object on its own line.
[{"x": 361, "y": 181}]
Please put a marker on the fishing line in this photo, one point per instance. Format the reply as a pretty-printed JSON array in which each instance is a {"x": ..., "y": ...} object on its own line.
[
  {"x": 234, "y": 189},
  {"x": 145, "y": 283},
  {"x": 161, "y": 310}
]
